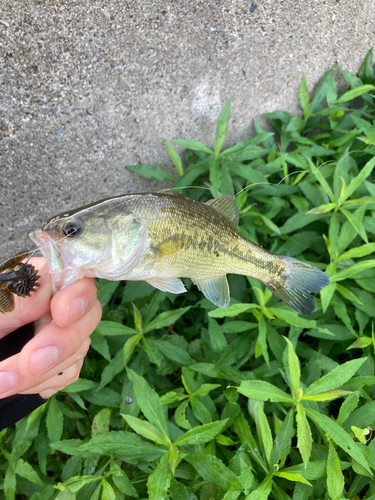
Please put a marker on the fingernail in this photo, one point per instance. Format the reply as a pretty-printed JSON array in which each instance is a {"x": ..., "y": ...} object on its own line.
[
  {"x": 43, "y": 360},
  {"x": 75, "y": 310},
  {"x": 7, "y": 382}
]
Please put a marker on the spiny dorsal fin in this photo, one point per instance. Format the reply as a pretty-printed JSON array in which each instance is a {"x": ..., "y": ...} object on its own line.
[{"x": 227, "y": 206}]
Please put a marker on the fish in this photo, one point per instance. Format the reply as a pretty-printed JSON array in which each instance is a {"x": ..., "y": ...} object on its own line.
[
  {"x": 16, "y": 278},
  {"x": 163, "y": 237}
]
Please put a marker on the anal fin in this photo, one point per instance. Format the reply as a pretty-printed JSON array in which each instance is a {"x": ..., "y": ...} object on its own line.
[
  {"x": 215, "y": 289},
  {"x": 172, "y": 285}
]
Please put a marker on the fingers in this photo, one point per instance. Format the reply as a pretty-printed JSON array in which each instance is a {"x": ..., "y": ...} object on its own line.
[
  {"x": 31, "y": 308},
  {"x": 69, "y": 304},
  {"x": 56, "y": 343},
  {"x": 69, "y": 373},
  {"x": 52, "y": 350}
]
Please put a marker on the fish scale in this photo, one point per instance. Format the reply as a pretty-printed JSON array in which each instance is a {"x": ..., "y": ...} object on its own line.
[{"x": 162, "y": 237}]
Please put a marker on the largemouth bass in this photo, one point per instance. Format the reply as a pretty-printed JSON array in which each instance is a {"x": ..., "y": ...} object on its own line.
[{"x": 162, "y": 237}]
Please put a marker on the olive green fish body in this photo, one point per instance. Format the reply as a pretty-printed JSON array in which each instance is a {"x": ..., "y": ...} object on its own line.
[{"x": 161, "y": 237}]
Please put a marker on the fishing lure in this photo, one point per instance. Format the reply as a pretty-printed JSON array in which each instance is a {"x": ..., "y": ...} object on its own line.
[{"x": 16, "y": 278}]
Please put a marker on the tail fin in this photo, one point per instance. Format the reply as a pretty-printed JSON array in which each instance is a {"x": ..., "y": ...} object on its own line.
[{"x": 300, "y": 280}]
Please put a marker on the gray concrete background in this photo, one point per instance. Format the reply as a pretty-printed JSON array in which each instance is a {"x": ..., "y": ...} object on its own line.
[{"x": 89, "y": 86}]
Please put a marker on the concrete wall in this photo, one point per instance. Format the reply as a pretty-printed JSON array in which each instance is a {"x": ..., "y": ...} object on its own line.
[{"x": 89, "y": 86}]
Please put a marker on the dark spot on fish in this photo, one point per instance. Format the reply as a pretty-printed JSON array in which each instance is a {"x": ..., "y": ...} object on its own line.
[{"x": 216, "y": 253}]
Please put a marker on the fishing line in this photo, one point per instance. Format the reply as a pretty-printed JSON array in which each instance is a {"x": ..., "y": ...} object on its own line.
[
  {"x": 300, "y": 171},
  {"x": 31, "y": 253}
]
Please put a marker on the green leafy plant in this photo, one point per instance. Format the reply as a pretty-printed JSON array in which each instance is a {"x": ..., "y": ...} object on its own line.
[{"x": 178, "y": 399}]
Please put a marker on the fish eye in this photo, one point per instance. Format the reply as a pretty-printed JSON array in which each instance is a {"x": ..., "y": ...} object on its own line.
[{"x": 71, "y": 229}]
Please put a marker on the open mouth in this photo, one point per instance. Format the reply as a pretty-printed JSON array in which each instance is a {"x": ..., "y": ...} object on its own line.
[{"x": 52, "y": 252}]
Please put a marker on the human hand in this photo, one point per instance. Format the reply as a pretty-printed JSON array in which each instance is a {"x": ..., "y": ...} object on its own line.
[{"x": 62, "y": 328}]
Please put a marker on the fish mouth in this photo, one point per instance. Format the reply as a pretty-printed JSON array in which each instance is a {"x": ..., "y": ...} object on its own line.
[{"x": 59, "y": 264}]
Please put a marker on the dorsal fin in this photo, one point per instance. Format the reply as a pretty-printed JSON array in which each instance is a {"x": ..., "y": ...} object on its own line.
[{"x": 227, "y": 206}]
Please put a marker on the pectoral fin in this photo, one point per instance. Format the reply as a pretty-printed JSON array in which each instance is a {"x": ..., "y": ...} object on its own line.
[
  {"x": 215, "y": 289},
  {"x": 172, "y": 285},
  {"x": 172, "y": 245}
]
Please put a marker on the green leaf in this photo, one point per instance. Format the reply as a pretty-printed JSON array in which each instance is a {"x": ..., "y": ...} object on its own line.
[
  {"x": 130, "y": 345},
  {"x": 212, "y": 469},
  {"x": 336, "y": 378},
  {"x": 353, "y": 270},
  {"x": 100, "y": 344},
  {"x": 264, "y": 391},
  {"x": 201, "y": 434},
  {"x": 335, "y": 477},
  {"x": 355, "y": 253},
  {"x": 262, "y": 491},
  {"x": 179, "y": 491},
  {"x": 326, "y": 396},
  {"x": 100, "y": 424},
  {"x": 122, "y": 481},
  {"x": 106, "y": 292},
  {"x": 55, "y": 420},
  {"x": 10, "y": 484},
  {"x": 356, "y": 92},
  {"x": 81, "y": 385},
  {"x": 292, "y": 317},
  {"x": 304, "y": 437},
  {"x": 264, "y": 431},
  {"x": 359, "y": 179},
  {"x": 293, "y": 476},
  {"x": 166, "y": 318},
  {"x": 117, "y": 443},
  {"x": 112, "y": 369},
  {"x": 283, "y": 441},
  {"x": 150, "y": 172},
  {"x": 205, "y": 389},
  {"x": 304, "y": 96},
  {"x": 110, "y": 328},
  {"x": 339, "y": 436},
  {"x": 175, "y": 158},
  {"x": 180, "y": 415},
  {"x": 173, "y": 352},
  {"x": 148, "y": 401},
  {"x": 356, "y": 223},
  {"x": 321, "y": 92},
  {"x": 319, "y": 177},
  {"x": 158, "y": 482},
  {"x": 145, "y": 429},
  {"x": 366, "y": 72},
  {"x": 231, "y": 311},
  {"x": 222, "y": 127},
  {"x": 194, "y": 145},
  {"x": 108, "y": 491},
  {"x": 76, "y": 483},
  {"x": 293, "y": 368},
  {"x": 262, "y": 339},
  {"x": 362, "y": 417},
  {"x": 347, "y": 407},
  {"x": 152, "y": 351},
  {"x": 361, "y": 343},
  {"x": 25, "y": 470}
]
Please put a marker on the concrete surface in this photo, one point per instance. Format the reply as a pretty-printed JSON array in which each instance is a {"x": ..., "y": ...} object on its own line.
[{"x": 89, "y": 86}]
